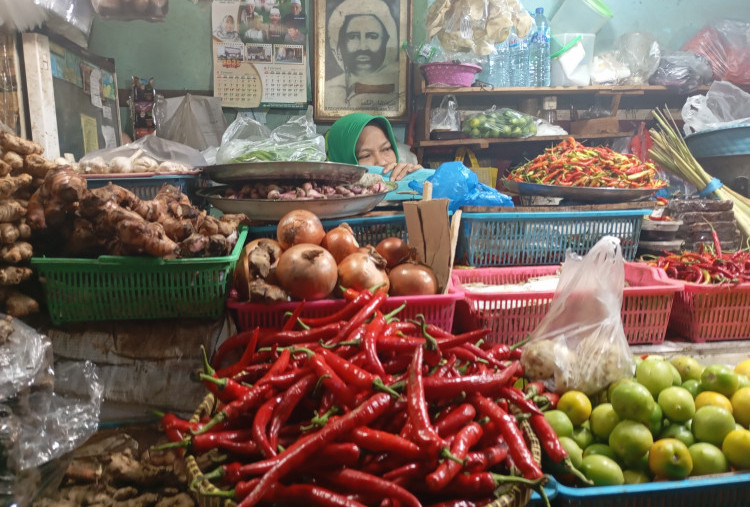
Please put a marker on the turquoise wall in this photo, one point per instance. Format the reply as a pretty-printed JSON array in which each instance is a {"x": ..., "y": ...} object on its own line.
[{"x": 177, "y": 52}]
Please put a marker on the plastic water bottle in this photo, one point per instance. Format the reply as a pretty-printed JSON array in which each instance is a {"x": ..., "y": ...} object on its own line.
[
  {"x": 519, "y": 59},
  {"x": 539, "y": 61},
  {"x": 499, "y": 63}
]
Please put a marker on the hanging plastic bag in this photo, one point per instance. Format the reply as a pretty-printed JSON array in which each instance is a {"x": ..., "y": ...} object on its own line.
[
  {"x": 682, "y": 72},
  {"x": 127, "y": 10},
  {"x": 641, "y": 53},
  {"x": 445, "y": 117},
  {"x": 580, "y": 344},
  {"x": 297, "y": 139},
  {"x": 197, "y": 122},
  {"x": 723, "y": 105},
  {"x": 726, "y": 46}
]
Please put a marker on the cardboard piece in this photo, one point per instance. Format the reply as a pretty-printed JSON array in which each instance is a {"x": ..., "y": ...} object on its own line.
[
  {"x": 429, "y": 233},
  {"x": 608, "y": 125}
]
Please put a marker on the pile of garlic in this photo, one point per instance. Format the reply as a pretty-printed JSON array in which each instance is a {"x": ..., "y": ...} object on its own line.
[{"x": 136, "y": 163}]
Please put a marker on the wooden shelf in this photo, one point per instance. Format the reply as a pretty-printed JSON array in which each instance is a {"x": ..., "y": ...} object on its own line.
[{"x": 486, "y": 142}]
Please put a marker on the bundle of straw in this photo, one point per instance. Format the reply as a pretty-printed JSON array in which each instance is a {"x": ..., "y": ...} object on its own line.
[{"x": 672, "y": 154}]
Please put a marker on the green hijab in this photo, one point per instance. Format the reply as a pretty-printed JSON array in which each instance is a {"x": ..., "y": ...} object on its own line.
[{"x": 341, "y": 138}]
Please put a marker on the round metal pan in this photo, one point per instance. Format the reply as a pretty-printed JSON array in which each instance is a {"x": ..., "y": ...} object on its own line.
[
  {"x": 285, "y": 172},
  {"x": 273, "y": 210},
  {"x": 579, "y": 194}
]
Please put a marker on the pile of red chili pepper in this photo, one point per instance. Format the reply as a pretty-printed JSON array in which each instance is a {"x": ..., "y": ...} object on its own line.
[
  {"x": 710, "y": 265},
  {"x": 572, "y": 164},
  {"x": 359, "y": 408}
]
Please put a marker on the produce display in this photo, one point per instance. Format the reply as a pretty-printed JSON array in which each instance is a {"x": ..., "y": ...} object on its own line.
[
  {"x": 79, "y": 222},
  {"x": 304, "y": 191},
  {"x": 305, "y": 262},
  {"x": 361, "y": 408},
  {"x": 572, "y": 164},
  {"x": 502, "y": 122},
  {"x": 707, "y": 266},
  {"x": 135, "y": 164},
  {"x": 272, "y": 151},
  {"x": 674, "y": 419}
]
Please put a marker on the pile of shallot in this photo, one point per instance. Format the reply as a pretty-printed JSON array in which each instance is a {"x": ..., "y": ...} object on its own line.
[
  {"x": 305, "y": 191},
  {"x": 305, "y": 262}
]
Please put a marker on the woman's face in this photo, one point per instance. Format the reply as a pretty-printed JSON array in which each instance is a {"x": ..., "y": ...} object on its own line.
[{"x": 374, "y": 148}]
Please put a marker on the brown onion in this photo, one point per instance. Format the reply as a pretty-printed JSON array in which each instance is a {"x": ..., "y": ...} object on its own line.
[
  {"x": 363, "y": 270},
  {"x": 394, "y": 251},
  {"x": 307, "y": 272},
  {"x": 299, "y": 226},
  {"x": 340, "y": 241},
  {"x": 412, "y": 279}
]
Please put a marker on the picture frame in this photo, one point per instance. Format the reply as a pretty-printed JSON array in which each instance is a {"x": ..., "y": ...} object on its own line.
[{"x": 358, "y": 65}]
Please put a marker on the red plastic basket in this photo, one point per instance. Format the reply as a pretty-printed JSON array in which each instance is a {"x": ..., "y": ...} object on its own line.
[
  {"x": 450, "y": 74},
  {"x": 511, "y": 316},
  {"x": 438, "y": 310},
  {"x": 712, "y": 312}
]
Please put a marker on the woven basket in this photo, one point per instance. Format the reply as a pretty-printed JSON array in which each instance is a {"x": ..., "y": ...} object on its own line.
[
  {"x": 449, "y": 74},
  {"x": 518, "y": 495}
]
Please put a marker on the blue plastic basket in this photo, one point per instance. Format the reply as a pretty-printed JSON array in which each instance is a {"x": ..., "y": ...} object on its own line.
[
  {"x": 536, "y": 238},
  {"x": 723, "y": 490},
  {"x": 720, "y": 142},
  {"x": 367, "y": 230},
  {"x": 146, "y": 187}
]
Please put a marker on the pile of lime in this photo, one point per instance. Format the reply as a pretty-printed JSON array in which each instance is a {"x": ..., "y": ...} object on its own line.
[
  {"x": 675, "y": 419},
  {"x": 503, "y": 122}
]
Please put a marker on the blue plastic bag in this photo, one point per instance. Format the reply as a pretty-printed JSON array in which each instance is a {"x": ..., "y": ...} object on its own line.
[{"x": 460, "y": 184}]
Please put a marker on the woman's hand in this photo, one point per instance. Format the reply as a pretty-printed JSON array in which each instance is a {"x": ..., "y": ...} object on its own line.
[{"x": 399, "y": 169}]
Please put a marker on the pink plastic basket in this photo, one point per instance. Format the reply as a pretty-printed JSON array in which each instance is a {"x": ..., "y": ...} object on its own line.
[
  {"x": 511, "y": 316},
  {"x": 449, "y": 74},
  {"x": 712, "y": 312},
  {"x": 438, "y": 310}
]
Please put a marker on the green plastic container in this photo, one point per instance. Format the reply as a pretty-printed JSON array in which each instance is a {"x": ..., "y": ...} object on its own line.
[{"x": 120, "y": 288}]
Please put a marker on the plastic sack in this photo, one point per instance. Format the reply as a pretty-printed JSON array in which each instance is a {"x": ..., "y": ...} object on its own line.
[
  {"x": 297, "y": 139},
  {"x": 607, "y": 69},
  {"x": 197, "y": 122},
  {"x": 681, "y": 71},
  {"x": 127, "y": 10},
  {"x": 446, "y": 117},
  {"x": 726, "y": 46},
  {"x": 503, "y": 122},
  {"x": 70, "y": 18},
  {"x": 459, "y": 184},
  {"x": 155, "y": 148},
  {"x": 640, "y": 52},
  {"x": 723, "y": 105},
  {"x": 580, "y": 344}
]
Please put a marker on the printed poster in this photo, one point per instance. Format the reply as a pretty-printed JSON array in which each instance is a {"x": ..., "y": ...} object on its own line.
[{"x": 259, "y": 52}]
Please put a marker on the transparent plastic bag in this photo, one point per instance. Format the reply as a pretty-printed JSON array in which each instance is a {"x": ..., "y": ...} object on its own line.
[
  {"x": 608, "y": 69},
  {"x": 459, "y": 184},
  {"x": 128, "y": 10},
  {"x": 297, "y": 139},
  {"x": 503, "y": 122},
  {"x": 580, "y": 344},
  {"x": 197, "y": 122},
  {"x": 156, "y": 148},
  {"x": 726, "y": 45},
  {"x": 681, "y": 71},
  {"x": 723, "y": 105},
  {"x": 446, "y": 117},
  {"x": 641, "y": 53}
]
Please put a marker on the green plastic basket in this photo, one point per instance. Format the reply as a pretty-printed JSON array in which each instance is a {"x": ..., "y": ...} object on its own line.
[{"x": 119, "y": 288}]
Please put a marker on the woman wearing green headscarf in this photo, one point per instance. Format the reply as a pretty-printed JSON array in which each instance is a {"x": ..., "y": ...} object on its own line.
[{"x": 364, "y": 139}]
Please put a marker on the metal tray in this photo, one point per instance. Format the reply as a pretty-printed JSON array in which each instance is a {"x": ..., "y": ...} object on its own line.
[
  {"x": 272, "y": 210},
  {"x": 580, "y": 194},
  {"x": 285, "y": 172}
]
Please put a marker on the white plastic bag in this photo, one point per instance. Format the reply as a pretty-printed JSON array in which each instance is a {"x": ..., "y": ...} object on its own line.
[
  {"x": 446, "y": 117},
  {"x": 723, "y": 105},
  {"x": 197, "y": 122},
  {"x": 159, "y": 149},
  {"x": 580, "y": 344}
]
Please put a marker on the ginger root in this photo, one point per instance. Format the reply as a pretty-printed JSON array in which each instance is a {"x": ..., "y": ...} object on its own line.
[
  {"x": 5, "y": 168},
  {"x": 10, "y": 142},
  {"x": 9, "y": 184},
  {"x": 16, "y": 252},
  {"x": 12, "y": 232},
  {"x": 139, "y": 237},
  {"x": 37, "y": 165},
  {"x": 13, "y": 275},
  {"x": 14, "y": 160},
  {"x": 59, "y": 195},
  {"x": 11, "y": 210},
  {"x": 20, "y": 305}
]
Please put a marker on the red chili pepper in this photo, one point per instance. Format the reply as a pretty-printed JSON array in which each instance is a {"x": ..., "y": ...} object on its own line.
[
  {"x": 235, "y": 441},
  {"x": 245, "y": 360},
  {"x": 382, "y": 441},
  {"x": 369, "y": 342},
  {"x": 482, "y": 484},
  {"x": 292, "y": 320},
  {"x": 517, "y": 397},
  {"x": 454, "y": 419},
  {"x": 552, "y": 446},
  {"x": 450, "y": 387},
  {"x": 512, "y": 434},
  {"x": 305, "y": 495},
  {"x": 260, "y": 425},
  {"x": 342, "y": 393},
  {"x": 305, "y": 449},
  {"x": 373, "y": 486},
  {"x": 345, "y": 312},
  {"x": 359, "y": 318},
  {"x": 290, "y": 400},
  {"x": 287, "y": 338},
  {"x": 424, "y": 434},
  {"x": 485, "y": 459},
  {"x": 465, "y": 439}
]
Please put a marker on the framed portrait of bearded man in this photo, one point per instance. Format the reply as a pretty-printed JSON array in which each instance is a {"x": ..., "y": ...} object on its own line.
[{"x": 358, "y": 64}]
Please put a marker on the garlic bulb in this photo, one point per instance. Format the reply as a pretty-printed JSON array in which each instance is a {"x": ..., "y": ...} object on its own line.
[
  {"x": 95, "y": 165},
  {"x": 170, "y": 166},
  {"x": 144, "y": 165},
  {"x": 119, "y": 165}
]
